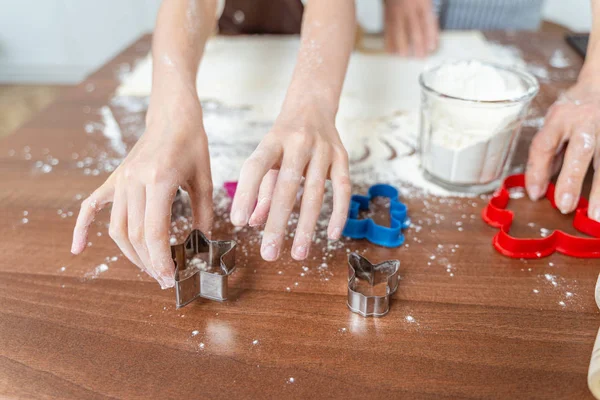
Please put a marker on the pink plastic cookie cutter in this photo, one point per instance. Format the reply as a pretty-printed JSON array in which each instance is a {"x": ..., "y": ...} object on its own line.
[{"x": 230, "y": 188}]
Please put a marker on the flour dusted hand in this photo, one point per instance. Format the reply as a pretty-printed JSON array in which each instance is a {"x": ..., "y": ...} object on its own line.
[
  {"x": 307, "y": 144},
  {"x": 304, "y": 140},
  {"x": 573, "y": 122},
  {"x": 173, "y": 152}
]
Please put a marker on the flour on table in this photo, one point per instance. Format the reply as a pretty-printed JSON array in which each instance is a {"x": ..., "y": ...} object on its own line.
[
  {"x": 378, "y": 118},
  {"x": 559, "y": 59},
  {"x": 112, "y": 131},
  {"x": 100, "y": 269}
]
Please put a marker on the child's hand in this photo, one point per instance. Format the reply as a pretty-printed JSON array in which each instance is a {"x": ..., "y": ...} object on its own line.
[
  {"x": 173, "y": 152},
  {"x": 302, "y": 143},
  {"x": 410, "y": 24},
  {"x": 573, "y": 121}
]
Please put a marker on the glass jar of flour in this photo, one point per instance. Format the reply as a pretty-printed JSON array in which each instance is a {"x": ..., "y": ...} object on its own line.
[{"x": 471, "y": 116}]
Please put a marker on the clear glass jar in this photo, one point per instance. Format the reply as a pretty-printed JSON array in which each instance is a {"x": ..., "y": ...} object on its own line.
[{"x": 467, "y": 145}]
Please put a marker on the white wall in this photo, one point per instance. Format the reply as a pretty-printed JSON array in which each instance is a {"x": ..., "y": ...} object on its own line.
[
  {"x": 574, "y": 14},
  {"x": 64, "y": 40}
]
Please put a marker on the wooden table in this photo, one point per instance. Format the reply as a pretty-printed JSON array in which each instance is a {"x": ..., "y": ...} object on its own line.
[{"x": 489, "y": 327}]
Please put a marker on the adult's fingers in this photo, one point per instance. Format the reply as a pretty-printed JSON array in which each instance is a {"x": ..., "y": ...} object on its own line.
[
  {"x": 431, "y": 28},
  {"x": 389, "y": 32},
  {"x": 284, "y": 197},
  {"x": 118, "y": 228},
  {"x": 389, "y": 39},
  {"x": 542, "y": 151},
  {"x": 396, "y": 40},
  {"x": 340, "y": 181},
  {"x": 89, "y": 208},
  {"x": 312, "y": 199},
  {"x": 416, "y": 28},
  {"x": 156, "y": 226},
  {"x": 136, "y": 209},
  {"x": 251, "y": 176},
  {"x": 401, "y": 33},
  {"x": 578, "y": 156},
  {"x": 265, "y": 194}
]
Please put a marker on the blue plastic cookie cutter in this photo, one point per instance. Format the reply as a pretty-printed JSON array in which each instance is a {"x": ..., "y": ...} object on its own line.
[{"x": 367, "y": 228}]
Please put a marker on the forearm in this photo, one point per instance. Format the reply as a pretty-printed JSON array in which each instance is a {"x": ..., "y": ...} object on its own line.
[
  {"x": 591, "y": 68},
  {"x": 182, "y": 29},
  {"x": 328, "y": 31}
]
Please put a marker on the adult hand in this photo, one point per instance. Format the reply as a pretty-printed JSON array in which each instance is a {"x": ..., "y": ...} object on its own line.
[
  {"x": 411, "y": 27},
  {"x": 303, "y": 142},
  {"x": 573, "y": 121},
  {"x": 173, "y": 152}
]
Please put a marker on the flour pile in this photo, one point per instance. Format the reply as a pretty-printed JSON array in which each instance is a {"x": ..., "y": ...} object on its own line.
[{"x": 470, "y": 139}]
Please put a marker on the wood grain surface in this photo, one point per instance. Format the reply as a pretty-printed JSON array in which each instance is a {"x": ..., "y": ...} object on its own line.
[{"x": 484, "y": 326}]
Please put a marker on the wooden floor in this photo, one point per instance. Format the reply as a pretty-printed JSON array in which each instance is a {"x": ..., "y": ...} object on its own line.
[
  {"x": 466, "y": 322},
  {"x": 18, "y": 103}
]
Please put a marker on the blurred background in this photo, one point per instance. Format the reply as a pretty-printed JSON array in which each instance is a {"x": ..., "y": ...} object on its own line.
[{"x": 47, "y": 44}]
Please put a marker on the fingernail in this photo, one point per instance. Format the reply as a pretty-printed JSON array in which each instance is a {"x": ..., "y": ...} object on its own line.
[
  {"x": 594, "y": 213},
  {"x": 261, "y": 208},
  {"x": 239, "y": 218},
  {"x": 167, "y": 282},
  {"x": 300, "y": 251},
  {"x": 269, "y": 251},
  {"x": 77, "y": 246},
  {"x": 535, "y": 192},
  {"x": 254, "y": 221},
  {"x": 335, "y": 233},
  {"x": 566, "y": 203}
]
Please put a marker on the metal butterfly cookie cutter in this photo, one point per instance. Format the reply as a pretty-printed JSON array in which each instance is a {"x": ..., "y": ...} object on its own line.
[
  {"x": 192, "y": 282},
  {"x": 361, "y": 268}
]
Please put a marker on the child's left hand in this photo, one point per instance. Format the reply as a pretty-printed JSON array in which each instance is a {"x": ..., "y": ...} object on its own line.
[{"x": 305, "y": 143}]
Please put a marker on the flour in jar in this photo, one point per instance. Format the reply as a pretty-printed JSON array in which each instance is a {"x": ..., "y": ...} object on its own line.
[{"x": 472, "y": 113}]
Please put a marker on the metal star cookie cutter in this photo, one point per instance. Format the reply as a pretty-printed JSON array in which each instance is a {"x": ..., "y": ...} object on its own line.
[
  {"x": 192, "y": 282},
  {"x": 361, "y": 268}
]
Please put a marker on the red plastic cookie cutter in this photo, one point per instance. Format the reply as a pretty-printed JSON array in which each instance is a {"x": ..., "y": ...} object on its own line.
[{"x": 496, "y": 215}]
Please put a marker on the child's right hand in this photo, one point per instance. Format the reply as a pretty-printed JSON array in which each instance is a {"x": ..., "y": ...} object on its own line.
[
  {"x": 303, "y": 142},
  {"x": 172, "y": 152}
]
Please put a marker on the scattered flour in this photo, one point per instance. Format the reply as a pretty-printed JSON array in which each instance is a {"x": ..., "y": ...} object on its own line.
[
  {"x": 198, "y": 263},
  {"x": 112, "y": 131},
  {"x": 537, "y": 122},
  {"x": 516, "y": 193},
  {"x": 100, "y": 269},
  {"x": 559, "y": 59}
]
